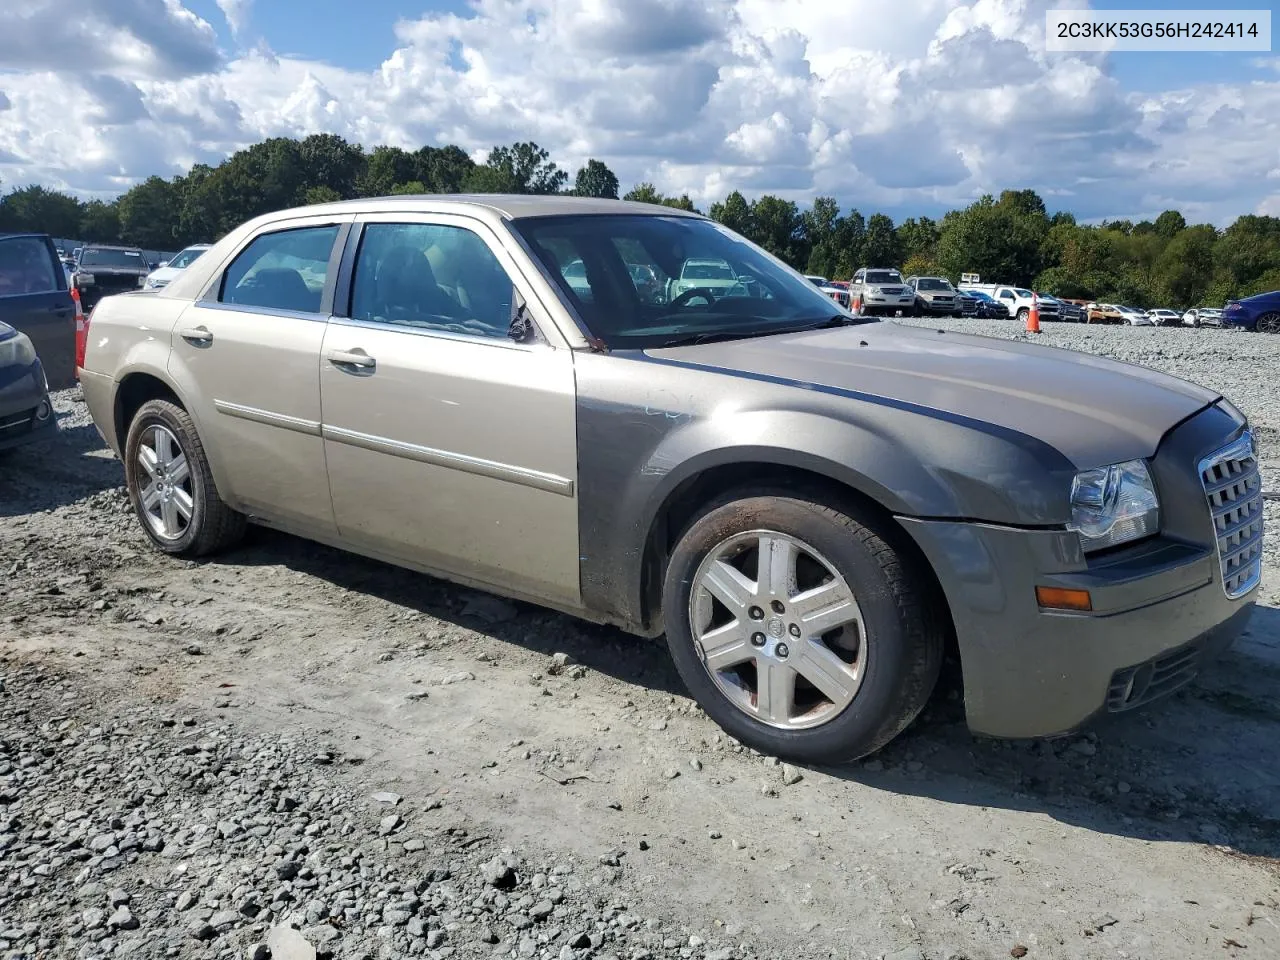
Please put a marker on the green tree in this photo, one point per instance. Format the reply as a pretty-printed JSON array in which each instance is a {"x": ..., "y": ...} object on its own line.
[
  {"x": 734, "y": 213},
  {"x": 596, "y": 180},
  {"x": 320, "y": 194},
  {"x": 329, "y": 161},
  {"x": 881, "y": 245},
  {"x": 38, "y": 209},
  {"x": 777, "y": 226},
  {"x": 1170, "y": 223},
  {"x": 528, "y": 167},
  {"x": 100, "y": 222},
  {"x": 490, "y": 179},
  {"x": 644, "y": 192},
  {"x": 385, "y": 168},
  {"x": 442, "y": 169},
  {"x": 918, "y": 238},
  {"x": 149, "y": 215}
]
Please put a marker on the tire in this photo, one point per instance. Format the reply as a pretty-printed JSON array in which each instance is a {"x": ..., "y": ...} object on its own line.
[
  {"x": 1268, "y": 323},
  {"x": 1022, "y": 314},
  {"x": 211, "y": 525},
  {"x": 896, "y": 644}
]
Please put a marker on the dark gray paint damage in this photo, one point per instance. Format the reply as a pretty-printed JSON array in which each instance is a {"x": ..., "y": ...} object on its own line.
[{"x": 972, "y": 443}]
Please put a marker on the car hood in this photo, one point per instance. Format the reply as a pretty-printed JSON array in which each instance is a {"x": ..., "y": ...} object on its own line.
[
  {"x": 164, "y": 273},
  {"x": 1093, "y": 410}
]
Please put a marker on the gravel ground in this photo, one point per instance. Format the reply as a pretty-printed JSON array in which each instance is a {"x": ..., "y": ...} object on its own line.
[{"x": 289, "y": 752}]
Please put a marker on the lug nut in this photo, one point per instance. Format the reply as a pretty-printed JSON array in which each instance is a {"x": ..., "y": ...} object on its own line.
[
  {"x": 755, "y": 613},
  {"x": 777, "y": 606},
  {"x": 757, "y": 639},
  {"x": 782, "y": 651},
  {"x": 795, "y": 630}
]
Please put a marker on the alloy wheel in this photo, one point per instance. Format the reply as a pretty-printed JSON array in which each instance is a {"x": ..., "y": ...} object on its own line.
[
  {"x": 778, "y": 629},
  {"x": 1269, "y": 323},
  {"x": 168, "y": 498}
]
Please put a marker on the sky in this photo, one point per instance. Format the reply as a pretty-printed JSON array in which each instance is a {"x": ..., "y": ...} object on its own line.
[{"x": 908, "y": 107}]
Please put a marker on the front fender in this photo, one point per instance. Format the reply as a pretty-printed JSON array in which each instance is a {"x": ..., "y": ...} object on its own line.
[{"x": 646, "y": 429}]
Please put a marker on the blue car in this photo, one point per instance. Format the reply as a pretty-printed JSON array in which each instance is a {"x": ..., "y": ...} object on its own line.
[{"x": 1260, "y": 312}]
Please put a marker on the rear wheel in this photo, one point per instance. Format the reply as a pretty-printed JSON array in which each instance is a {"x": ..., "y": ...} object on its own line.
[
  {"x": 799, "y": 628},
  {"x": 1269, "y": 323},
  {"x": 1023, "y": 312},
  {"x": 171, "y": 487}
]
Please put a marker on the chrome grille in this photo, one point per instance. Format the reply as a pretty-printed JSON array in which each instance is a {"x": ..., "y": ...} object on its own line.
[{"x": 1233, "y": 486}]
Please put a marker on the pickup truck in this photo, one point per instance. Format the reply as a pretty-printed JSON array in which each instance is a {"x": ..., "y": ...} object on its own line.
[{"x": 1017, "y": 300}]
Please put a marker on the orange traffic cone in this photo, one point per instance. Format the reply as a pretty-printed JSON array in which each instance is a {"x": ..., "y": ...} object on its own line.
[
  {"x": 82, "y": 331},
  {"x": 856, "y": 309},
  {"x": 1033, "y": 315}
]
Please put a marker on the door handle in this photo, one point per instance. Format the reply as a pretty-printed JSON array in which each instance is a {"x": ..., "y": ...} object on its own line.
[
  {"x": 196, "y": 335},
  {"x": 345, "y": 358}
]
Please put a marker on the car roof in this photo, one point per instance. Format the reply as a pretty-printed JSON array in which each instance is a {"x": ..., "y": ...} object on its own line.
[
  {"x": 11, "y": 234},
  {"x": 109, "y": 246},
  {"x": 509, "y": 206}
]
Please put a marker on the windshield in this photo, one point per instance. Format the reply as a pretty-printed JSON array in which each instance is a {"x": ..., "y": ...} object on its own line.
[
  {"x": 883, "y": 276},
  {"x": 929, "y": 283},
  {"x": 749, "y": 293},
  {"x": 186, "y": 257},
  {"x": 113, "y": 258}
]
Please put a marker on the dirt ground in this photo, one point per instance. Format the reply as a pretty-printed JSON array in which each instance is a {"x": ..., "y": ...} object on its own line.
[{"x": 1156, "y": 835}]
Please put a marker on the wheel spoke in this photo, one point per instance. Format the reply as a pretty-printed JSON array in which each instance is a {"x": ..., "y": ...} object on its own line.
[
  {"x": 834, "y": 678},
  {"x": 179, "y": 471},
  {"x": 777, "y": 566},
  {"x": 728, "y": 585},
  {"x": 164, "y": 446},
  {"x": 824, "y": 608},
  {"x": 726, "y": 647},
  {"x": 775, "y": 690},
  {"x": 147, "y": 459},
  {"x": 183, "y": 504},
  {"x": 169, "y": 517},
  {"x": 151, "y": 495}
]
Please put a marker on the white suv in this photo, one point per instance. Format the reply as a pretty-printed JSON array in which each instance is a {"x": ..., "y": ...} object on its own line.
[{"x": 881, "y": 290}]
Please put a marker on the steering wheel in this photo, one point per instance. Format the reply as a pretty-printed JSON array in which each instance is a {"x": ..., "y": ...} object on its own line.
[{"x": 706, "y": 293}]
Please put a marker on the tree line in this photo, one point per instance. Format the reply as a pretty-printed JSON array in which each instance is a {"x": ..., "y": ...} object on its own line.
[{"x": 1009, "y": 239}]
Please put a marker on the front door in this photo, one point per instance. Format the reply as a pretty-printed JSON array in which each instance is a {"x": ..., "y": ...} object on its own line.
[
  {"x": 247, "y": 356},
  {"x": 450, "y": 444},
  {"x": 34, "y": 300}
]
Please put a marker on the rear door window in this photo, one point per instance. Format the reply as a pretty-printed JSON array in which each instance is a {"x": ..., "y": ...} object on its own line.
[
  {"x": 286, "y": 270},
  {"x": 26, "y": 267}
]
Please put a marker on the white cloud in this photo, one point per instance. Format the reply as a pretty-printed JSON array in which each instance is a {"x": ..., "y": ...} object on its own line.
[
  {"x": 888, "y": 104},
  {"x": 237, "y": 14}
]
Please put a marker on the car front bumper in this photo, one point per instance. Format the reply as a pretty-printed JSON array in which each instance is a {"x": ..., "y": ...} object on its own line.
[
  {"x": 26, "y": 415},
  {"x": 1159, "y": 608}
]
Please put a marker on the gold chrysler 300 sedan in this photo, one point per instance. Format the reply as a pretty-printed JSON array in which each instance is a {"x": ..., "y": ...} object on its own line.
[{"x": 811, "y": 506}]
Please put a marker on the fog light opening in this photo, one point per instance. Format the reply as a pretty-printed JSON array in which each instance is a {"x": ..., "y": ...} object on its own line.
[
  {"x": 1060, "y": 598},
  {"x": 43, "y": 411}
]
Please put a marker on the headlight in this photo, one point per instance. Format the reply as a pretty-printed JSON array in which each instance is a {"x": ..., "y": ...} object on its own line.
[
  {"x": 1113, "y": 505},
  {"x": 17, "y": 351}
]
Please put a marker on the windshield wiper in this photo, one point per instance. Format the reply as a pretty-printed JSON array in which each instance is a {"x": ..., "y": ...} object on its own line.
[{"x": 718, "y": 336}]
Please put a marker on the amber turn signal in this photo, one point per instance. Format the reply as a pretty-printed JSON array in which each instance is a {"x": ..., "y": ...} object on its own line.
[{"x": 1059, "y": 598}]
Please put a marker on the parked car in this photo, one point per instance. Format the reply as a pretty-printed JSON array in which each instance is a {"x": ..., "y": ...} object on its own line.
[
  {"x": 1068, "y": 311},
  {"x": 837, "y": 292},
  {"x": 1104, "y": 313},
  {"x": 967, "y": 303},
  {"x": 167, "y": 270},
  {"x": 935, "y": 296},
  {"x": 36, "y": 302},
  {"x": 104, "y": 270},
  {"x": 1202, "y": 317},
  {"x": 1016, "y": 300},
  {"x": 988, "y": 307},
  {"x": 881, "y": 290},
  {"x": 1164, "y": 318},
  {"x": 1134, "y": 317},
  {"x": 1260, "y": 312},
  {"x": 713, "y": 275},
  {"x": 807, "y": 512},
  {"x": 26, "y": 414}
]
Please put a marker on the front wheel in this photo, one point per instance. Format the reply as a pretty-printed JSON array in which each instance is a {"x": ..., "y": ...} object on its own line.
[
  {"x": 171, "y": 486},
  {"x": 799, "y": 628},
  {"x": 1023, "y": 312}
]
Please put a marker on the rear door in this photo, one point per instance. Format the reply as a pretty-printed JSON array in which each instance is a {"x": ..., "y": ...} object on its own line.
[
  {"x": 248, "y": 356},
  {"x": 34, "y": 299}
]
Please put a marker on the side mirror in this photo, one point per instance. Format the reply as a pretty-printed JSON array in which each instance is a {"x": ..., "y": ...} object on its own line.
[{"x": 162, "y": 263}]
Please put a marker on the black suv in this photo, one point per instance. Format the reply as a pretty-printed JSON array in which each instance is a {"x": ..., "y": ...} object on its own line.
[{"x": 104, "y": 270}]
